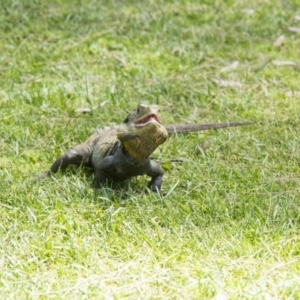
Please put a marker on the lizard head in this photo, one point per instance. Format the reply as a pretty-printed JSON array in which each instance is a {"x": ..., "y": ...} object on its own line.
[
  {"x": 142, "y": 132},
  {"x": 143, "y": 114}
]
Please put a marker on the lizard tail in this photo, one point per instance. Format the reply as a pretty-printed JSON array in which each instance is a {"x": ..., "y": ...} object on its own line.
[{"x": 185, "y": 128}]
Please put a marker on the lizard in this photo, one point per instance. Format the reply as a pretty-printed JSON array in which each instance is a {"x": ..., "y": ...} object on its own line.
[{"x": 123, "y": 151}]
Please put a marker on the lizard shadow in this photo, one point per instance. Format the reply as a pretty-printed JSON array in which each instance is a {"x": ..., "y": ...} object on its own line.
[{"x": 118, "y": 192}]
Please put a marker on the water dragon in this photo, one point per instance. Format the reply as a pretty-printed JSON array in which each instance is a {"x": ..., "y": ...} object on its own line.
[{"x": 123, "y": 151}]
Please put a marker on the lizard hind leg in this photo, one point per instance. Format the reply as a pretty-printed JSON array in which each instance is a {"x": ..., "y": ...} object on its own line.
[{"x": 79, "y": 155}]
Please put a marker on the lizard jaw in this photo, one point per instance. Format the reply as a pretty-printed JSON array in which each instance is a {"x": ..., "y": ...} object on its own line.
[{"x": 150, "y": 118}]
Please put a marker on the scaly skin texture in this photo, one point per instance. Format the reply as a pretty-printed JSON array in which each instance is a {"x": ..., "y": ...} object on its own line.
[
  {"x": 186, "y": 128},
  {"x": 122, "y": 152}
]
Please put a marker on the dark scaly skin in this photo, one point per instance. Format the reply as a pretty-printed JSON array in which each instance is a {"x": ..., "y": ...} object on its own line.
[
  {"x": 186, "y": 128},
  {"x": 122, "y": 152}
]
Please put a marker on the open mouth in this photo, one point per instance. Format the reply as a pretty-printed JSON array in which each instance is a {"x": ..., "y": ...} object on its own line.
[{"x": 150, "y": 118}]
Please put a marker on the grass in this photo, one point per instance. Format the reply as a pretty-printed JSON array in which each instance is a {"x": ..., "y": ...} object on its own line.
[{"x": 229, "y": 217}]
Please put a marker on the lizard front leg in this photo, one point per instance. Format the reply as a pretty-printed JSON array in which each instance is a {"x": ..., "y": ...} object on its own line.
[
  {"x": 156, "y": 173},
  {"x": 102, "y": 167},
  {"x": 77, "y": 156}
]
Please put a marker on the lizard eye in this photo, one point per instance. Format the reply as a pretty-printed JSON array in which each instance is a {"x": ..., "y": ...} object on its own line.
[{"x": 126, "y": 120}]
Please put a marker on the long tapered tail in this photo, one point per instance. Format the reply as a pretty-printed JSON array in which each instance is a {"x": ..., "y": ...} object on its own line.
[{"x": 185, "y": 128}]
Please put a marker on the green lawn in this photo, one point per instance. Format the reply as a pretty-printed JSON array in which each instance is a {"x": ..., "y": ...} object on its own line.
[{"x": 229, "y": 217}]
